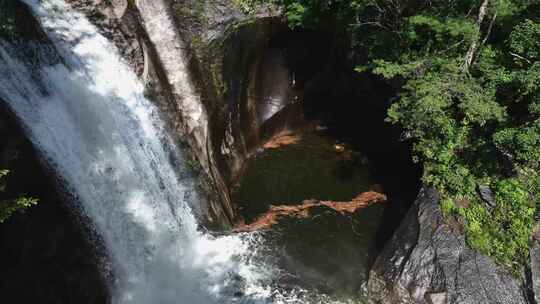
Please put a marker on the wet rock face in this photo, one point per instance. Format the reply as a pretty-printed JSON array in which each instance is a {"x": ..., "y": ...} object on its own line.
[
  {"x": 427, "y": 261},
  {"x": 274, "y": 92},
  {"x": 46, "y": 256},
  {"x": 246, "y": 83},
  {"x": 243, "y": 73},
  {"x": 129, "y": 25},
  {"x": 119, "y": 24}
]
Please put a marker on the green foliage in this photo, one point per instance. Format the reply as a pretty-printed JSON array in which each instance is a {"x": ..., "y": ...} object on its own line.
[
  {"x": 333, "y": 15},
  {"x": 12, "y": 206},
  {"x": 504, "y": 232},
  {"x": 447, "y": 206},
  {"x": 132, "y": 4},
  {"x": 296, "y": 14},
  {"x": 248, "y": 6},
  {"x": 432, "y": 33},
  {"x": 468, "y": 99},
  {"x": 525, "y": 40},
  {"x": 464, "y": 124},
  {"x": 521, "y": 143},
  {"x": 7, "y": 20}
]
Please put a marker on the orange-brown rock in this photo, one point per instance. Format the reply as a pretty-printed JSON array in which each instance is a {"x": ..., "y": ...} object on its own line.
[
  {"x": 283, "y": 139},
  {"x": 275, "y": 213}
]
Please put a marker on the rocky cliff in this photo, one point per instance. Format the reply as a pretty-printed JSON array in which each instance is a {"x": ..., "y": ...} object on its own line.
[
  {"x": 427, "y": 261},
  {"x": 224, "y": 81},
  {"x": 247, "y": 88},
  {"x": 146, "y": 34}
]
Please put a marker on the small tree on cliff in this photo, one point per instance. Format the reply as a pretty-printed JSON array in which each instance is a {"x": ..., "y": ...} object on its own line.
[{"x": 8, "y": 207}]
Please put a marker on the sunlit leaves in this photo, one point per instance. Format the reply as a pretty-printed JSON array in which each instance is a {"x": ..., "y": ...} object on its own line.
[
  {"x": 525, "y": 41},
  {"x": 12, "y": 206}
]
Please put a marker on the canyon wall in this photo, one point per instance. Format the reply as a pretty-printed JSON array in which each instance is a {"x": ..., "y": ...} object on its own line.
[
  {"x": 221, "y": 85},
  {"x": 224, "y": 85},
  {"x": 150, "y": 42}
]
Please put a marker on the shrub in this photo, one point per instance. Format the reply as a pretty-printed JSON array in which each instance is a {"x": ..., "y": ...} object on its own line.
[{"x": 11, "y": 206}]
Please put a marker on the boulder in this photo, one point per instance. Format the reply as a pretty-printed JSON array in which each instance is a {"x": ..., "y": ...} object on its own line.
[
  {"x": 428, "y": 261},
  {"x": 535, "y": 270},
  {"x": 487, "y": 195},
  {"x": 436, "y": 298}
]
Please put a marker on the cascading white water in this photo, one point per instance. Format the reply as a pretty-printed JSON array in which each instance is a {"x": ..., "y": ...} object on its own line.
[
  {"x": 98, "y": 131},
  {"x": 88, "y": 117}
]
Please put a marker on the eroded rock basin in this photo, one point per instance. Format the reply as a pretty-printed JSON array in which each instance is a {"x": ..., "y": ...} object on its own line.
[{"x": 319, "y": 208}]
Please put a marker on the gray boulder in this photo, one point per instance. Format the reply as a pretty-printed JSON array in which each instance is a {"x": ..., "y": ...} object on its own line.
[
  {"x": 427, "y": 261},
  {"x": 535, "y": 270},
  {"x": 487, "y": 195}
]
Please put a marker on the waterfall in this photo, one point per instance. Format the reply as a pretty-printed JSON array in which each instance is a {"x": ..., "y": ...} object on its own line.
[{"x": 86, "y": 113}]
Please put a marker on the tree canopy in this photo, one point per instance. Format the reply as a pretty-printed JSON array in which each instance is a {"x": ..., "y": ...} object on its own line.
[{"x": 467, "y": 78}]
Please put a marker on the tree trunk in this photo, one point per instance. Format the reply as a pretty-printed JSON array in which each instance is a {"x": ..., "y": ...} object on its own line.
[{"x": 469, "y": 58}]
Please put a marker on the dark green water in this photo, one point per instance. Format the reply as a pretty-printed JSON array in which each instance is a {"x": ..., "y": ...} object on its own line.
[
  {"x": 326, "y": 251},
  {"x": 310, "y": 169}
]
